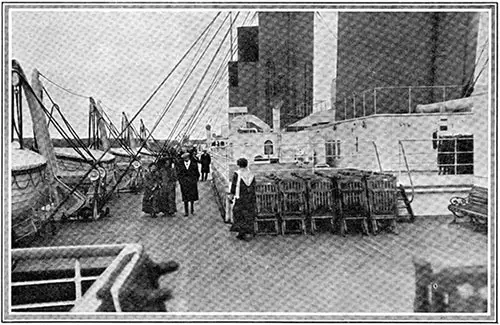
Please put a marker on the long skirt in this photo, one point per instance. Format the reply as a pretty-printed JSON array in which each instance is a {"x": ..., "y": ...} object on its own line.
[
  {"x": 167, "y": 198},
  {"x": 243, "y": 216},
  {"x": 151, "y": 201}
]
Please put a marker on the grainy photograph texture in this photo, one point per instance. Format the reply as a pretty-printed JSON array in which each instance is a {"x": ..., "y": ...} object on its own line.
[{"x": 265, "y": 162}]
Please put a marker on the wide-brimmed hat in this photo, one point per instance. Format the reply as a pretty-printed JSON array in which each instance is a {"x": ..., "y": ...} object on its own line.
[{"x": 185, "y": 155}]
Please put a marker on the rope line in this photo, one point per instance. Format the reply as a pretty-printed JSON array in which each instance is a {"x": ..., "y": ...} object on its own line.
[
  {"x": 71, "y": 130},
  {"x": 189, "y": 127},
  {"x": 202, "y": 78},
  {"x": 326, "y": 25},
  {"x": 114, "y": 131},
  {"x": 179, "y": 88},
  {"x": 107, "y": 197},
  {"x": 63, "y": 88},
  {"x": 93, "y": 165}
]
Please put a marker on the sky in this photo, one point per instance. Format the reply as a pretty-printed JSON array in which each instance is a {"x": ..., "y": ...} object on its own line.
[{"x": 121, "y": 57}]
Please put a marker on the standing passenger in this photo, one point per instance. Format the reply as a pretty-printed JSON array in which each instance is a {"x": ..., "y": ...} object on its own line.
[
  {"x": 243, "y": 192},
  {"x": 152, "y": 187},
  {"x": 205, "y": 165},
  {"x": 188, "y": 175},
  {"x": 169, "y": 178}
]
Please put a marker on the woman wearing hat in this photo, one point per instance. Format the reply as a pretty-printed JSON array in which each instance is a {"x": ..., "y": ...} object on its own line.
[
  {"x": 243, "y": 192},
  {"x": 188, "y": 175}
]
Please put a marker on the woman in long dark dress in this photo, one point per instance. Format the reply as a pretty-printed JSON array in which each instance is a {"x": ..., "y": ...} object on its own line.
[
  {"x": 169, "y": 178},
  {"x": 152, "y": 187},
  {"x": 243, "y": 194}
]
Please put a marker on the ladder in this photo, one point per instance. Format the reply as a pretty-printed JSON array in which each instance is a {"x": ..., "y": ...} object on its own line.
[{"x": 404, "y": 203}]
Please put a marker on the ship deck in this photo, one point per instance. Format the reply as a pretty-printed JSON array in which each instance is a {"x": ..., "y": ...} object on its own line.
[{"x": 324, "y": 273}]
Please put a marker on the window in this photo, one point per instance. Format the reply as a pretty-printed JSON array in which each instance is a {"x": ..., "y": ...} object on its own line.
[
  {"x": 332, "y": 152},
  {"x": 456, "y": 155},
  {"x": 268, "y": 147}
]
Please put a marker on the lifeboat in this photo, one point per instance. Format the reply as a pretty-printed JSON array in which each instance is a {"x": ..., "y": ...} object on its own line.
[
  {"x": 72, "y": 167},
  {"x": 132, "y": 180},
  {"x": 29, "y": 190}
]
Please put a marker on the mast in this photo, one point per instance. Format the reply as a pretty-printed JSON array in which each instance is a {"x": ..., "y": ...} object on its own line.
[{"x": 96, "y": 108}]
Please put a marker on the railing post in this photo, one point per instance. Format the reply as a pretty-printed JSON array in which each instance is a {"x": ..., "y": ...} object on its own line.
[
  {"x": 456, "y": 156},
  {"x": 354, "y": 105},
  {"x": 364, "y": 103},
  {"x": 409, "y": 100},
  {"x": 444, "y": 93},
  {"x": 375, "y": 101},
  {"x": 78, "y": 279},
  {"x": 345, "y": 108}
]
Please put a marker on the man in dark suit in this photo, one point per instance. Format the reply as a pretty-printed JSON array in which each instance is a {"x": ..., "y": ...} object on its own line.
[
  {"x": 205, "y": 165},
  {"x": 188, "y": 175}
]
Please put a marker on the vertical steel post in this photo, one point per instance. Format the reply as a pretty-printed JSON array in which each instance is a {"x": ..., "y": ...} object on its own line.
[
  {"x": 364, "y": 103},
  {"x": 409, "y": 100},
  {"x": 78, "y": 280},
  {"x": 354, "y": 105},
  {"x": 345, "y": 108}
]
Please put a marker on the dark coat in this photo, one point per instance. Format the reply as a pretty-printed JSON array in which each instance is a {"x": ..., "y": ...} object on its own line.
[
  {"x": 167, "y": 197},
  {"x": 244, "y": 209},
  {"x": 188, "y": 179},
  {"x": 205, "y": 163},
  {"x": 152, "y": 189}
]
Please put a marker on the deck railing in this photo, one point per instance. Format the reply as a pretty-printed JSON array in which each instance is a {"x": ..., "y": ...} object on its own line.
[
  {"x": 83, "y": 302},
  {"x": 449, "y": 155},
  {"x": 395, "y": 99}
]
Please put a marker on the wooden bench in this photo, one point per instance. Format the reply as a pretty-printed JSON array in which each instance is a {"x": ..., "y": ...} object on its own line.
[{"x": 474, "y": 206}]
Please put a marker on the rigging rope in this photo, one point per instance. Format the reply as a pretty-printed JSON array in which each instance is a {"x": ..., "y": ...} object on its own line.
[
  {"x": 179, "y": 88},
  {"x": 201, "y": 80},
  {"x": 63, "y": 88},
  {"x": 93, "y": 165},
  {"x": 189, "y": 126},
  {"x": 186, "y": 130},
  {"x": 149, "y": 99},
  {"x": 472, "y": 82},
  {"x": 71, "y": 130},
  {"x": 114, "y": 131},
  {"x": 193, "y": 64},
  {"x": 326, "y": 25}
]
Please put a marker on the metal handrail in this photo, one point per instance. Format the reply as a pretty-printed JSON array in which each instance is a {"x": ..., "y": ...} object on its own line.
[
  {"x": 408, "y": 170},
  {"x": 378, "y": 157},
  {"x": 76, "y": 253},
  {"x": 373, "y": 92}
]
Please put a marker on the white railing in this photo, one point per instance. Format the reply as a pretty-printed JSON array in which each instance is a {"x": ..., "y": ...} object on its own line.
[
  {"x": 408, "y": 171},
  {"x": 86, "y": 302},
  {"x": 299, "y": 156},
  {"x": 400, "y": 99},
  {"x": 450, "y": 155}
]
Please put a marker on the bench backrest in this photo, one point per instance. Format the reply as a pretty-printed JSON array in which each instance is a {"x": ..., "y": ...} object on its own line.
[{"x": 478, "y": 196}]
